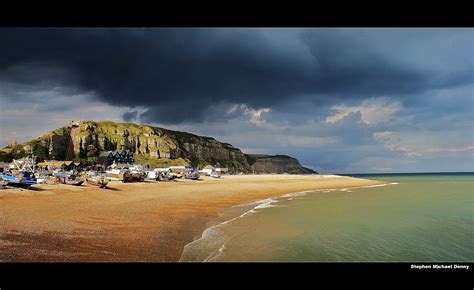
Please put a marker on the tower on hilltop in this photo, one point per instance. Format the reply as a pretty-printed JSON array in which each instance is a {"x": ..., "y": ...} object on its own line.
[{"x": 73, "y": 124}]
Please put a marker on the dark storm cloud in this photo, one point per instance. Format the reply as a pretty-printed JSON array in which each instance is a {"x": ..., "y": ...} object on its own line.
[
  {"x": 130, "y": 115},
  {"x": 182, "y": 75}
]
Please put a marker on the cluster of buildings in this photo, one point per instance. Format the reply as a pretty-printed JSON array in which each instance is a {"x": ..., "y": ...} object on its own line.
[
  {"x": 124, "y": 157},
  {"x": 55, "y": 164},
  {"x": 45, "y": 165},
  {"x": 107, "y": 158}
]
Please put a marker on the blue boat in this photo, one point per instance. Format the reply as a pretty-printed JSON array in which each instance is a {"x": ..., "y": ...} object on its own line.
[
  {"x": 65, "y": 175},
  {"x": 23, "y": 178},
  {"x": 164, "y": 176},
  {"x": 192, "y": 175},
  {"x": 68, "y": 178}
]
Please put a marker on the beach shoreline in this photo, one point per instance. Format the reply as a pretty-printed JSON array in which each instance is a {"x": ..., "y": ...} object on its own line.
[
  {"x": 136, "y": 222},
  {"x": 194, "y": 253}
]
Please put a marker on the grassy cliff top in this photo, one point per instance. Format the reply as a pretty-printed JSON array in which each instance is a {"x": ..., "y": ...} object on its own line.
[
  {"x": 133, "y": 128},
  {"x": 260, "y": 156}
]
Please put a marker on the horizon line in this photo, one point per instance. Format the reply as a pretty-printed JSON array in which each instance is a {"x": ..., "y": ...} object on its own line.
[{"x": 419, "y": 172}]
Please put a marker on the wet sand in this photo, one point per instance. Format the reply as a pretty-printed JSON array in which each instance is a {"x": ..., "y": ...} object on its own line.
[{"x": 133, "y": 222}]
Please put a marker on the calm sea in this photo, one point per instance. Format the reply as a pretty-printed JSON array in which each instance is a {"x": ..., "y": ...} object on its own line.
[{"x": 417, "y": 217}]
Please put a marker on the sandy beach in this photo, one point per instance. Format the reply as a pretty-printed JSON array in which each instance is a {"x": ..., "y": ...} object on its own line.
[{"x": 131, "y": 222}]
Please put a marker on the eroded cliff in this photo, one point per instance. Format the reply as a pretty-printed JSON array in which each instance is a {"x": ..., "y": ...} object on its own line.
[{"x": 154, "y": 145}]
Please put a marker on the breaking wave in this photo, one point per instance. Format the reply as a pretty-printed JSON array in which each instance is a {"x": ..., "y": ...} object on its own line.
[
  {"x": 212, "y": 241},
  {"x": 211, "y": 244}
]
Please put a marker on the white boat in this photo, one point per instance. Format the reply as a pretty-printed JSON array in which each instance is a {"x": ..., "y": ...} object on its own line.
[
  {"x": 214, "y": 175},
  {"x": 152, "y": 176},
  {"x": 119, "y": 175}
]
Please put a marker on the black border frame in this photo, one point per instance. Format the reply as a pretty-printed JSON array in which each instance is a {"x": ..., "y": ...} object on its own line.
[{"x": 294, "y": 275}]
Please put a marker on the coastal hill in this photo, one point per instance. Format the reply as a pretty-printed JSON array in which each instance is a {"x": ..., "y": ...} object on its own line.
[
  {"x": 83, "y": 141},
  {"x": 276, "y": 164}
]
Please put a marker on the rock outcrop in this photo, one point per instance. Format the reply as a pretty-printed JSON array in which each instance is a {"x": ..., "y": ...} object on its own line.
[
  {"x": 277, "y": 164},
  {"x": 85, "y": 140}
]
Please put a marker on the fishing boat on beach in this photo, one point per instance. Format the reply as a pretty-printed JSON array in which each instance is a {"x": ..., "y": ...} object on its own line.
[
  {"x": 21, "y": 178},
  {"x": 43, "y": 175},
  {"x": 97, "y": 180},
  {"x": 214, "y": 175},
  {"x": 152, "y": 176},
  {"x": 192, "y": 175},
  {"x": 138, "y": 173},
  {"x": 122, "y": 175},
  {"x": 101, "y": 182},
  {"x": 138, "y": 177},
  {"x": 75, "y": 181},
  {"x": 68, "y": 178},
  {"x": 22, "y": 175},
  {"x": 165, "y": 177}
]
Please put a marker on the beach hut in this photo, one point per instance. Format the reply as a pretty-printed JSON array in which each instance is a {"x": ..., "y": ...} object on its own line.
[
  {"x": 42, "y": 165},
  {"x": 58, "y": 164},
  {"x": 67, "y": 165},
  {"x": 51, "y": 164},
  {"x": 77, "y": 166}
]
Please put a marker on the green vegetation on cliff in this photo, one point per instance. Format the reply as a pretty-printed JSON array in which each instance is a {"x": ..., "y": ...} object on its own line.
[
  {"x": 161, "y": 162},
  {"x": 151, "y": 145},
  {"x": 11, "y": 152},
  {"x": 155, "y": 146}
]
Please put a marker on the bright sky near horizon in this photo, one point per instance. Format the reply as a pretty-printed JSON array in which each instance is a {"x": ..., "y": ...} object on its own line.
[{"x": 339, "y": 100}]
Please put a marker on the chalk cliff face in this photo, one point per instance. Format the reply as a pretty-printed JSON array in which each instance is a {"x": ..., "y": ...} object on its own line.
[{"x": 150, "y": 144}]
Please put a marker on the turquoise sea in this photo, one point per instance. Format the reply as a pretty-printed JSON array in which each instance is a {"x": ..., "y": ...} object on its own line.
[{"x": 416, "y": 218}]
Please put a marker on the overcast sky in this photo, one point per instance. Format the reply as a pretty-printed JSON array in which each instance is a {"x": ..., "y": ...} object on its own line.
[{"x": 339, "y": 100}]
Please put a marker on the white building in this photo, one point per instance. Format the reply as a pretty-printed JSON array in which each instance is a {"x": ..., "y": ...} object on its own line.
[
  {"x": 208, "y": 170},
  {"x": 222, "y": 170}
]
